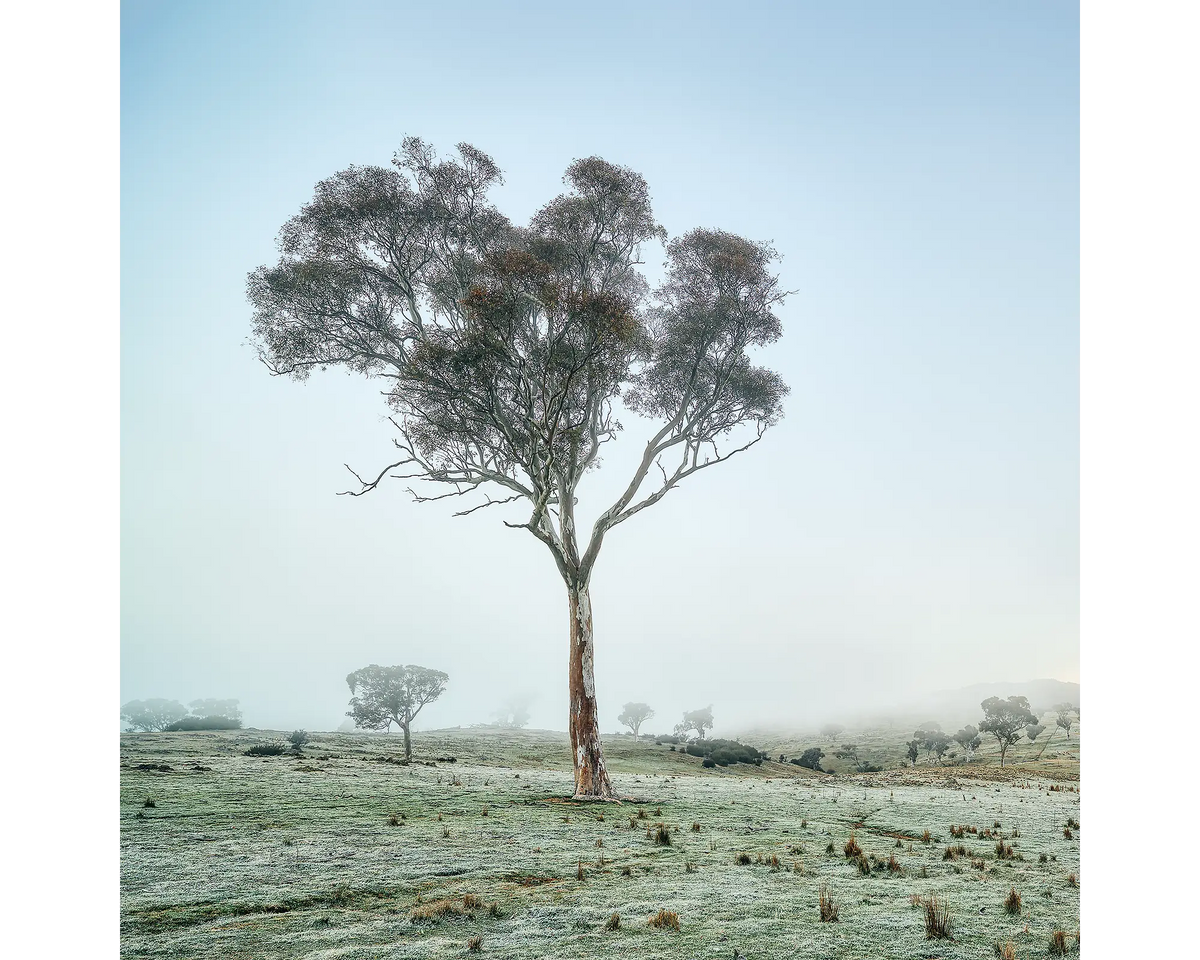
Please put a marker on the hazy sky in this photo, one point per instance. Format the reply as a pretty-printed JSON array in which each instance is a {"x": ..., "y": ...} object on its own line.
[{"x": 911, "y": 524}]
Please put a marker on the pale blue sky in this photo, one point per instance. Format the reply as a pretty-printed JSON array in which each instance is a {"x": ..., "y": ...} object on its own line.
[{"x": 913, "y": 522}]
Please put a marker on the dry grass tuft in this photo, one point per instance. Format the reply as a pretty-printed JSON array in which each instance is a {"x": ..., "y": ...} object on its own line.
[
  {"x": 826, "y": 906},
  {"x": 1006, "y": 950},
  {"x": 893, "y": 865},
  {"x": 627, "y": 871},
  {"x": 852, "y": 850},
  {"x": 1072, "y": 880},
  {"x": 579, "y": 871},
  {"x": 472, "y": 902},
  {"x": 475, "y": 945},
  {"x": 1004, "y": 851},
  {"x": 484, "y": 811},
  {"x": 662, "y": 836},
  {"x": 938, "y": 925},
  {"x": 1058, "y": 943},
  {"x": 613, "y": 922},
  {"x": 665, "y": 919},
  {"x": 916, "y": 900},
  {"x": 926, "y": 837},
  {"x": 1012, "y": 903},
  {"x": 695, "y": 828},
  {"x": 742, "y": 860}
]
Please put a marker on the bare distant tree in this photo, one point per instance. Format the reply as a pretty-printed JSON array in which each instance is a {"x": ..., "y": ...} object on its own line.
[
  {"x": 1063, "y": 719},
  {"x": 633, "y": 715},
  {"x": 503, "y": 351},
  {"x": 393, "y": 695}
]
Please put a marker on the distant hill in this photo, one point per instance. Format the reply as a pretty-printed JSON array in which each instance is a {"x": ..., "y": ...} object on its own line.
[
  {"x": 962, "y": 705},
  {"x": 949, "y": 708}
]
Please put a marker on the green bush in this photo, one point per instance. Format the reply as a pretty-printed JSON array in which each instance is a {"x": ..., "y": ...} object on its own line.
[
  {"x": 267, "y": 750},
  {"x": 724, "y": 752}
]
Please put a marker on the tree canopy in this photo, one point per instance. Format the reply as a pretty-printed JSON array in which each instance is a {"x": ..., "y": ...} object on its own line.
[
  {"x": 386, "y": 695},
  {"x": 153, "y": 714},
  {"x": 633, "y": 715},
  {"x": 695, "y": 721},
  {"x": 1006, "y": 720},
  {"x": 507, "y": 352}
]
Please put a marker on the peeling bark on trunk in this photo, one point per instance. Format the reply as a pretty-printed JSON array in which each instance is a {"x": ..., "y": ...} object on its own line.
[{"x": 591, "y": 776}]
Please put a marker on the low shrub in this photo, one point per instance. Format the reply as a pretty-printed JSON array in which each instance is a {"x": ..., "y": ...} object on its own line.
[
  {"x": 267, "y": 750},
  {"x": 742, "y": 860},
  {"x": 724, "y": 752}
]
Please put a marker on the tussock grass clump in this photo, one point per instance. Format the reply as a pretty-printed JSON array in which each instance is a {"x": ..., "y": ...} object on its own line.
[
  {"x": 938, "y": 925},
  {"x": 852, "y": 850},
  {"x": 1072, "y": 880},
  {"x": 953, "y": 853},
  {"x": 774, "y": 863},
  {"x": 1004, "y": 851},
  {"x": 803, "y": 823},
  {"x": 579, "y": 875},
  {"x": 149, "y": 802},
  {"x": 1067, "y": 834},
  {"x": 924, "y": 874},
  {"x": 437, "y": 910},
  {"x": 893, "y": 865},
  {"x": 695, "y": 828},
  {"x": 1006, "y": 950},
  {"x": 1072, "y": 822},
  {"x": 864, "y": 866},
  {"x": 1058, "y": 943},
  {"x": 926, "y": 836},
  {"x": 393, "y": 820},
  {"x": 1042, "y": 858},
  {"x": 742, "y": 860},
  {"x": 445, "y": 833},
  {"x": 475, "y": 945},
  {"x": 689, "y": 867},
  {"x": 1012, "y": 903},
  {"x": 915, "y": 900},
  {"x": 825, "y": 905},
  {"x": 642, "y": 815},
  {"x": 484, "y": 811},
  {"x": 665, "y": 920},
  {"x": 613, "y": 922},
  {"x": 957, "y": 831},
  {"x": 662, "y": 836},
  {"x": 829, "y": 848},
  {"x": 472, "y": 902},
  {"x": 627, "y": 871}
]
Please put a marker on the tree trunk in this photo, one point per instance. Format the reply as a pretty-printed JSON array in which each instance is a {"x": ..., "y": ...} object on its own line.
[
  {"x": 407, "y": 743},
  {"x": 591, "y": 776}
]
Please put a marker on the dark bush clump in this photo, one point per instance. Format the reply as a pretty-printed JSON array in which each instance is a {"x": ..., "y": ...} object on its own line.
[
  {"x": 266, "y": 750},
  {"x": 203, "y": 723},
  {"x": 724, "y": 752}
]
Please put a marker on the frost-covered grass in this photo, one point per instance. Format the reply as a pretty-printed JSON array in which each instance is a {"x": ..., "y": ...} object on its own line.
[{"x": 286, "y": 857}]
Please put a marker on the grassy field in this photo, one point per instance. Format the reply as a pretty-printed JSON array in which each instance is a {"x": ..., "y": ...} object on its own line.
[{"x": 345, "y": 853}]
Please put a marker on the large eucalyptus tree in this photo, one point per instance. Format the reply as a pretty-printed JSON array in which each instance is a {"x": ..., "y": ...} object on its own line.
[{"x": 506, "y": 350}]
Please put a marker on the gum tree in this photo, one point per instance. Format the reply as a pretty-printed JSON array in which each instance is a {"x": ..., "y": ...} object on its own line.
[
  {"x": 505, "y": 352},
  {"x": 633, "y": 715},
  {"x": 1006, "y": 720},
  {"x": 382, "y": 696}
]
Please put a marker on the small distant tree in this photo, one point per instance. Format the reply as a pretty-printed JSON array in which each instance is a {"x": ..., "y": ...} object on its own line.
[
  {"x": 514, "y": 715},
  {"x": 212, "y": 707},
  {"x": 1064, "y": 721},
  {"x": 811, "y": 758},
  {"x": 831, "y": 731},
  {"x": 299, "y": 739},
  {"x": 153, "y": 714},
  {"x": 914, "y": 750},
  {"x": 1034, "y": 730},
  {"x": 695, "y": 721},
  {"x": 1005, "y": 720},
  {"x": 932, "y": 725},
  {"x": 848, "y": 751},
  {"x": 936, "y": 743},
  {"x": 633, "y": 715},
  {"x": 964, "y": 736},
  {"x": 392, "y": 695}
]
